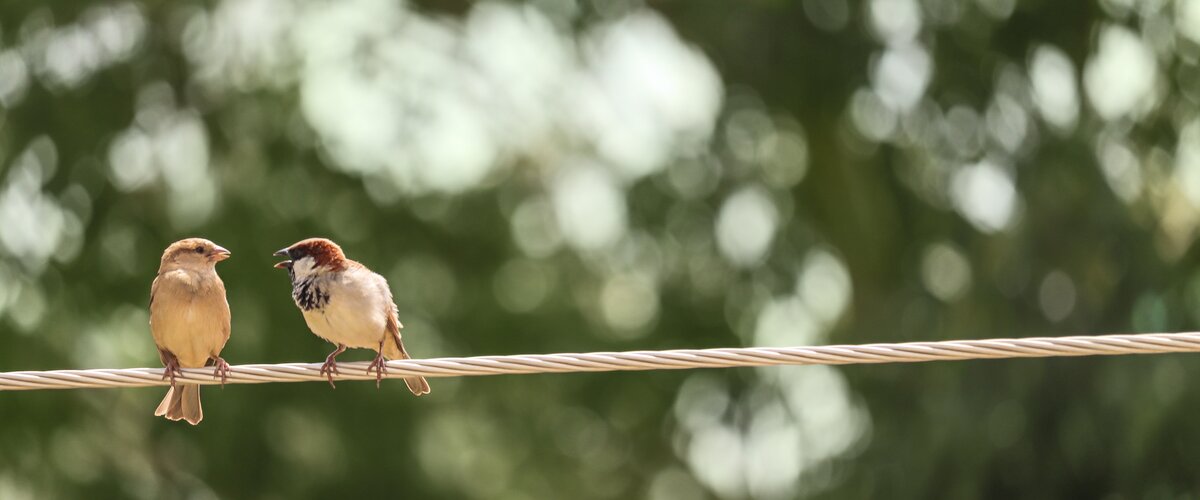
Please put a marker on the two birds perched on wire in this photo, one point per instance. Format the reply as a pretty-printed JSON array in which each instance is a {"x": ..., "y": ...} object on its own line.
[{"x": 342, "y": 302}]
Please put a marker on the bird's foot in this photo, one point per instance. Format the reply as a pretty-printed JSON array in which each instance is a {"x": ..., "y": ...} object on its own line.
[
  {"x": 221, "y": 369},
  {"x": 170, "y": 367},
  {"x": 329, "y": 369},
  {"x": 379, "y": 364}
]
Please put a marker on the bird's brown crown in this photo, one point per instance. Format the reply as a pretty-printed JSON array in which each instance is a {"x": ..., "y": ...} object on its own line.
[{"x": 325, "y": 253}]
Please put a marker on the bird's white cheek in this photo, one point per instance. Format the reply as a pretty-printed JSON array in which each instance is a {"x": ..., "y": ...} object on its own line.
[{"x": 303, "y": 268}]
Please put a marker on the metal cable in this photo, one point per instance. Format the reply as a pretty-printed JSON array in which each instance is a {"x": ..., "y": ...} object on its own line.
[{"x": 908, "y": 352}]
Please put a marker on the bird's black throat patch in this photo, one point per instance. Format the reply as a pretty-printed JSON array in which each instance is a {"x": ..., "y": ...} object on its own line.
[{"x": 309, "y": 295}]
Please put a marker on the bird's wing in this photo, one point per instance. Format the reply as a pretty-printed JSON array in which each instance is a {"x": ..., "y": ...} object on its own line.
[
  {"x": 389, "y": 304},
  {"x": 224, "y": 311},
  {"x": 153, "y": 290},
  {"x": 391, "y": 313}
]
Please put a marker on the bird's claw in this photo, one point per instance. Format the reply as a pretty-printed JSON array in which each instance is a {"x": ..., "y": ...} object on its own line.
[
  {"x": 379, "y": 364},
  {"x": 221, "y": 369},
  {"x": 171, "y": 367},
  {"x": 329, "y": 369}
]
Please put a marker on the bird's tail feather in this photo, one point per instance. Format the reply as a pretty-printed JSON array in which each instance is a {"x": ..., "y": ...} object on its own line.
[
  {"x": 182, "y": 402},
  {"x": 395, "y": 350},
  {"x": 417, "y": 385}
]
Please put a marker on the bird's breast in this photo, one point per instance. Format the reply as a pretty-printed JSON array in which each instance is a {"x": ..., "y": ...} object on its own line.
[{"x": 341, "y": 310}]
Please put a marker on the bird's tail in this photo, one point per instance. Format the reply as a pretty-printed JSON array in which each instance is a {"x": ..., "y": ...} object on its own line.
[
  {"x": 182, "y": 402},
  {"x": 395, "y": 350}
]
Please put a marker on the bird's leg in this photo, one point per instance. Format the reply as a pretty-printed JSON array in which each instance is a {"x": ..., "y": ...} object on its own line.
[
  {"x": 379, "y": 364},
  {"x": 170, "y": 365},
  {"x": 221, "y": 369},
  {"x": 329, "y": 369}
]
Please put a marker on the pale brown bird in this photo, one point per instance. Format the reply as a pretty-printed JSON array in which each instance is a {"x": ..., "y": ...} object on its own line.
[
  {"x": 189, "y": 319},
  {"x": 345, "y": 303}
]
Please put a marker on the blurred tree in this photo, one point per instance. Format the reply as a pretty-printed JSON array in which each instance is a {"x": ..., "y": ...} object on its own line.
[{"x": 575, "y": 176}]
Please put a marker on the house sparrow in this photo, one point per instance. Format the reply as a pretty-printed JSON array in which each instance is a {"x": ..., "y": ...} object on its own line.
[
  {"x": 189, "y": 319},
  {"x": 347, "y": 304}
]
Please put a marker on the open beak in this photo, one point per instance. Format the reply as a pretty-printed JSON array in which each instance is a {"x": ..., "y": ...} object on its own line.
[
  {"x": 287, "y": 264},
  {"x": 220, "y": 253}
]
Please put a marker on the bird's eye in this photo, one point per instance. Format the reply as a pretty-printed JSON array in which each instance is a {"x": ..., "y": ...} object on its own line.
[{"x": 199, "y": 250}]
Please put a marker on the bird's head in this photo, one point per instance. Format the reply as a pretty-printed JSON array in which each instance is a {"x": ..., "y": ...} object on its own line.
[
  {"x": 310, "y": 256},
  {"x": 193, "y": 253}
]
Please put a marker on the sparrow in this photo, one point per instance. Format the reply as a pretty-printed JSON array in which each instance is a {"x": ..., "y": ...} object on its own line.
[
  {"x": 346, "y": 304},
  {"x": 189, "y": 320}
]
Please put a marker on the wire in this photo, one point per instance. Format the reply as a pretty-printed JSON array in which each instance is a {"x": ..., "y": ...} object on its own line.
[{"x": 909, "y": 352}]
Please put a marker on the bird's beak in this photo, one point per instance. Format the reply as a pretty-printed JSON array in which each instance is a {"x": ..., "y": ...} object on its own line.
[
  {"x": 220, "y": 253},
  {"x": 287, "y": 264}
]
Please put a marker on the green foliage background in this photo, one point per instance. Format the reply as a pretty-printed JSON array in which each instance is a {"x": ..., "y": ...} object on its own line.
[{"x": 871, "y": 201}]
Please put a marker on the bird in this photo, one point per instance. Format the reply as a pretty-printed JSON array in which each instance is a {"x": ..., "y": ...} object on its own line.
[
  {"x": 189, "y": 320},
  {"x": 346, "y": 304}
]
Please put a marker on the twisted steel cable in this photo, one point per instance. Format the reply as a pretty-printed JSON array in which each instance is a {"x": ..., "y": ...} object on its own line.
[{"x": 908, "y": 352}]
